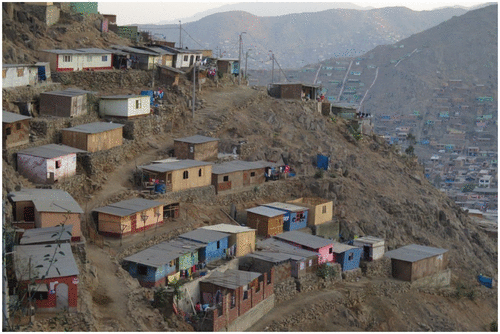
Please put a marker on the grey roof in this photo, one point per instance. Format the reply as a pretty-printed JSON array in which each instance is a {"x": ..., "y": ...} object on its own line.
[
  {"x": 370, "y": 240},
  {"x": 96, "y": 127},
  {"x": 50, "y": 151},
  {"x": 295, "y": 83},
  {"x": 134, "y": 50},
  {"x": 47, "y": 200},
  {"x": 65, "y": 265},
  {"x": 341, "y": 248},
  {"x": 81, "y": 51},
  {"x": 128, "y": 207},
  {"x": 304, "y": 239},
  {"x": 162, "y": 253},
  {"x": 122, "y": 97},
  {"x": 277, "y": 246},
  {"x": 204, "y": 235},
  {"x": 413, "y": 253},
  {"x": 232, "y": 279},
  {"x": 264, "y": 163},
  {"x": 177, "y": 50},
  {"x": 227, "y": 228},
  {"x": 10, "y": 117},
  {"x": 227, "y": 59},
  {"x": 286, "y": 206},
  {"x": 18, "y": 65},
  {"x": 173, "y": 69},
  {"x": 159, "y": 50},
  {"x": 486, "y": 190},
  {"x": 196, "y": 139},
  {"x": 46, "y": 234},
  {"x": 66, "y": 92},
  {"x": 265, "y": 211},
  {"x": 273, "y": 257},
  {"x": 175, "y": 165},
  {"x": 235, "y": 166}
]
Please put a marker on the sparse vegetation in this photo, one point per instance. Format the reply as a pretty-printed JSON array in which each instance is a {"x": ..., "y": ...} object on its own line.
[
  {"x": 319, "y": 174},
  {"x": 325, "y": 271}
]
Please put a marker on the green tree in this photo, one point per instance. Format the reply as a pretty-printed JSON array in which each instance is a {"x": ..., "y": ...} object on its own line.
[{"x": 410, "y": 151}]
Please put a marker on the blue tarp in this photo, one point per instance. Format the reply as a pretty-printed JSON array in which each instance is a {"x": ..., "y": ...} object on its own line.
[
  {"x": 150, "y": 94},
  {"x": 322, "y": 161},
  {"x": 486, "y": 281}
]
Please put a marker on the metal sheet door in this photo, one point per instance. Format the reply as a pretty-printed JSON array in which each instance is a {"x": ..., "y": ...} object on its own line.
[{"x": 62, "y": 296}]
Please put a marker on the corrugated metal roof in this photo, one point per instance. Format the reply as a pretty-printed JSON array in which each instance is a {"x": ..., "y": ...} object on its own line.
[
  {"x": 273, "y": 257},
  {"x": 227, "y": 228},
  {"x": 46, "y": 234},
  {"x": 203, "y": 235},
  {"x": 265, "y": 211},
  {"x": 47, "y": 200},
  {"x": 173, "y": 69},
  {"x": 232, "y": 279},
  {"x": 78, "y": 51},
  {"x": 66, "y": 92},
  {"x": 96, "y": 127},
  {"x": 128, "y": 207},
  {"x": 50, "y": 151},
  {"x": 286, "y": 206},
  {"x": 93, "y": 50},
  {"x": 341, "y": 248},
  {"x": 18, "y": 65},
  {"x": 412, "y": 253},
  {"x": 134, "y": 50},
  {"x": 374, "y": 241},
  {"x": 274, "y": 245},
  {"x": 235, "y": 166},
  {"x": 176, "y": 165},
  {"x": 162, "y": 253},
  {"x": 10, "y": 117},
  {"x": 123, "y": 97},
  {"x": 308, "y": 240},
  {"x": 159, "y": 50},
  {"x": 65, "y": 265},
  {"x": 196, "y": 139}
]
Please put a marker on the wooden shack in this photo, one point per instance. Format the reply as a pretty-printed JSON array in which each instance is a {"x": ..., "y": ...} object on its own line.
[
  {"x": 266, "y": 221},
  {"x": 243, "y": 238},
  {"x": 320, "y": 210},
  {"x": 237, "y": 174},
  {"x": 196, "y": 148},
  {"x": 94, "y": 137},
  {"x": 64, "y": 103},
  {"x": 15, "y": 130}
]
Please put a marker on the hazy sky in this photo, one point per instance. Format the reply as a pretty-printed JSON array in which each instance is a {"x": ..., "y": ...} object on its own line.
[{"x": 129, "y": 12}]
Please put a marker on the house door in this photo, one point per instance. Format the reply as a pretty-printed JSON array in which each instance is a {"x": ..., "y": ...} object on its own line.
[
  {"x": 29, "y": 214},
  {"x": 133, "y": 223},
  {"x": 366, "y": 253},
  {"x": 191, "y": 61},
  {"x": 61, "y": 296},
  {"x": 246, "y": 178},
  {"x": 191, "y": 152}
]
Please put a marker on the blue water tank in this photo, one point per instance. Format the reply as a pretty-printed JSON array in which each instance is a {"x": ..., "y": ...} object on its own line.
[{"x": 160, "y": 188}]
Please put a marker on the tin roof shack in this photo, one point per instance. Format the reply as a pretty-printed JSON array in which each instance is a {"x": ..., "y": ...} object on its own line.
[
  {"x": 227, "y": 66},
  {"x": 183, "y": 58},
  {"x": 129, "y": 216},
  {"x": 296, "y": 91},
  {"x": 320, "y": 210},
  {"x": 64, "y": 103},
  {"x": 243, "y": 238},
  {"x": 216, "y": 243},
  {"x": 58, "y": 290},
  {"x": 237, "y": 174},
  {"x": 161, "y": 263},
  {"x": 234, "y": 293},
  {"x": 197, "y": 148},
  {"x": 412, "y": 262},
  {"x": 309, "y": 242},
  {"x": 15, "y": 130},
  {"x": 124, "y": 105},
  {"x": 295, "y": 216},
  {"x": 47, "y": 163},
  {"x": 141, "y": 59},
  {"x": 47, "y": 235},
  {"x": 373, "y": 248},
  {"x": 165, "y": 57},
  {"x": 169, "y": 75},
  {"x": 302, "y": 261},
  {"x": 180, "y": 175},
  {"x": 47, "y": 208},
  {"x": 348, "y": 256},
  {"x": 90, "y": 59},
  {"x": 22, "y": 75},
  {"x": 266, "y": 221},
  {"x": 93, "y": 137}
]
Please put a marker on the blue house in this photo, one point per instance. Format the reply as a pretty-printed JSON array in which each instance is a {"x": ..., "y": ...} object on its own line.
[
  {"x": 153, "y": 266},
  {"x": 216, "y": 243},
  {"x": 347, "y": 256},
  {"x": 295, "y": 216}
]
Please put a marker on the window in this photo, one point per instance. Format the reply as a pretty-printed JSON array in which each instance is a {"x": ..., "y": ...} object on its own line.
[
  {"x": 218, "y": 244},
  {"x": 18, "y": 126},
  {"x": 226, "y": 178},
  {"x": 137, "y": 104},
  {"x": 20, "y": 72},
  {"x": 66, "y": 59},
  {"x": 4, "y": 73},
  {"x": 58, "y": 164},
  {"x": 185, "y": 175},
  {"x": 199, "y": 173},
  {"x": 40, "y": 295},
  {"x": 186, "y": 58},
  {"x": 233, "y": 300},
  {"x": 324, "y": 208},
  {"x": 351, "y": 256},
  {"x": 89, "y": 58},
  {"x": 191, "y": 149},
  {"x": 142, "y": 270},
  {"x": 104, "y": 58},
  {"x": 331, "y": 250},
  {"x": 8, "y": 131},
  {"x": 252, "y": 174},
  {"x": 197, "y": 58}
]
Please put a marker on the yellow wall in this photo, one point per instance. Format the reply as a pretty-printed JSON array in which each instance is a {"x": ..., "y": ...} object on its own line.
[
  {"x": 245, "y": 243},
  {"x": 193, "y": 181},
  {"x": 115, "y": 224},
  {"x": 315, "y": 205},
  {"x": 50, "y": 219}
]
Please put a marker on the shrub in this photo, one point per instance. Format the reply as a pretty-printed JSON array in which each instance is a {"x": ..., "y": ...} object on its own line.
[
  {"x": 319, "y": 174},
  {"x": 326, "y": 271},
  {"x": 494, "y": 326}
]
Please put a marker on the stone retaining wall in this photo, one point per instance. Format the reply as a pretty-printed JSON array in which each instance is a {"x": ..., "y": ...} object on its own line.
[{"x": 377, "y": 268}]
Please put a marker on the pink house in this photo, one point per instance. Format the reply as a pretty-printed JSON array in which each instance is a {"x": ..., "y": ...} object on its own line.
[{"x": 322, "y": 246}]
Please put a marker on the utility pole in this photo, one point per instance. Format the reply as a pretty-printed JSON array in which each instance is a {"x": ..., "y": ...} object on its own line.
[
  {"x": 239, "y": 57},
  {"x": 272, "y": 71},
  {"x": 194, "y": 87},
  {"x": 246, "y": 62},
  {"x": 180, "y": 34}
]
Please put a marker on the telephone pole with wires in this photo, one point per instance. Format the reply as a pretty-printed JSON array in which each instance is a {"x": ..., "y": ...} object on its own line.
[
  {"x": 180, "y": 34},
  {"x": 239, "y": 57}
]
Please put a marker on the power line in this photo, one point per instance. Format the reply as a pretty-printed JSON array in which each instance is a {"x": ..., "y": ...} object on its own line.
[
  {"x": 280, "y": 68},
  {"x": 192, "y": 38}
]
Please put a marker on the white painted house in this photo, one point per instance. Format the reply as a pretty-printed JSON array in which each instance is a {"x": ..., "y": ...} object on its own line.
[
  {"x": 21, "y": 75},
  {"x": 124, "y": 105},
  {"x": 48, "y": 163},
  {"x": 90, "y": 59},
  {"x": 485, "y": 181}
]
